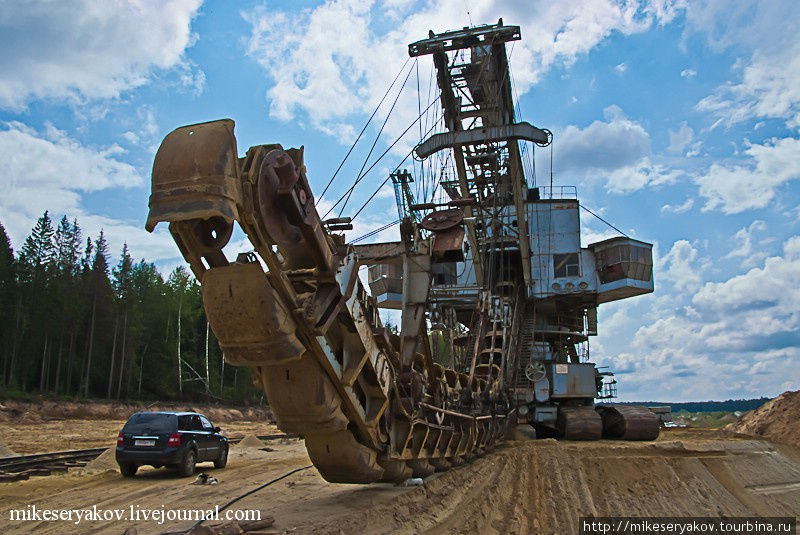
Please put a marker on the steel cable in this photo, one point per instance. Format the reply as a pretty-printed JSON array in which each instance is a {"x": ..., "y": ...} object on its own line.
[{"x": 397, "y": 76}]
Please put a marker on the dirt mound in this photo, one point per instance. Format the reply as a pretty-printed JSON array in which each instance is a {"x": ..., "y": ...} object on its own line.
[
  {"x": 776, "y": 420},
  {"x": 106, "y": 461},
  {"x": 250, "y": 441},
  {"x": 5, "y": 451}
]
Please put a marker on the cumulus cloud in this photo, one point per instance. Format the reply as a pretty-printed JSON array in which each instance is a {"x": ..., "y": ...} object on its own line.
[
  {"x": 49, "y": 170},
  {"x": 736, "y": 337},
  {"x": 769, "y": 88},
  {"x": 680, "y": 267},
  {"x": 83, "y": 50},
  {"x": 145, "y": 129},
  {"x": 776, "y": 284},
  {"x": 336, "y": 63},
  {"x": 744, "y": 186},
  {"x": 680, "y": 139},
  {"x": 616, "y": 151},
  {"x": 680, "y": 208},
  {"x": 766, "y": 82},
  {"x": 743, "y": 244}
]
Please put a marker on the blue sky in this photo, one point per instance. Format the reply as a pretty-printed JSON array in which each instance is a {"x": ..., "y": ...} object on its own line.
[{"x": 678, "y": 122}]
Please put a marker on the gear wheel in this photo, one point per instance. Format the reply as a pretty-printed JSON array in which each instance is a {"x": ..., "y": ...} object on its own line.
[{"x": 534, "y": 370}]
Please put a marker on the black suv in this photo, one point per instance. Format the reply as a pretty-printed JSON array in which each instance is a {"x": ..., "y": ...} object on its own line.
[{"x": 179, "y": 439}]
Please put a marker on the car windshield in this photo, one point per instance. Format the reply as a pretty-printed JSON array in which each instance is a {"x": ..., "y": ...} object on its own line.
[{"x": 149, "y": 422}]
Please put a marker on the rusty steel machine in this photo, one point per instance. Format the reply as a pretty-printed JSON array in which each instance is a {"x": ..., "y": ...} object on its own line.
[{"x": 496, "y": 296}]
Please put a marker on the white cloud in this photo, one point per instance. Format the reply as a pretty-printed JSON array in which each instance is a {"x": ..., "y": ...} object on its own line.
[
  {"x": 680, "y": 139},
  {"x": 397, "y": 9},
  {"x": 769, "y": 88},
  {"x": 775, "y": 286},
  {"x": 50, "y": 171},
  {"x": 616, "y": 151},
  {"x": 743, "y": 244},
  {"x": 767, "y": 83},
  {"x": 688, "y": 73},
  {"x": 665, "y": 11},
  {"x": 144, "y": 129},
  {"x": 694, "y": 149},
  {"x": 752, "y": 184},
  {"x": 680, "y": 208},
  {"x": 320, "y": 68},
  {"x": 91, "y": 50},
  {"x": 130, "y": 137},
  {"x": 621, "y": 68},
  {"x": 738, "y": 338},
  {"x": 680, "y": 266}
]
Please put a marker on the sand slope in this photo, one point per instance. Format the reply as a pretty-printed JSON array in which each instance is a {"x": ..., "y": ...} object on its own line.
[{"x": 778, "y": 420}]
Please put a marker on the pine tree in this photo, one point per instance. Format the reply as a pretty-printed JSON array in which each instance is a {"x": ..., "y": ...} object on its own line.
[
  {"x": 100, "y": 262},
  {"x": 39, "y": 248},
  {"x": 101, "y": 293},
  {"x": 34, "y": 305},
  {"x": 8, "y": 287},
  {"x": 88, "y": 255},
  {"x": 60, "y": 300},
  {"x": 149, "y": 314},
  {"x": 68, "y": 262},
  {"x": 122, "y": 274},
  {"x": 7, "y": 280},
  {"x": 67, "y": 244},
  {"x": 122, "y": 288}
]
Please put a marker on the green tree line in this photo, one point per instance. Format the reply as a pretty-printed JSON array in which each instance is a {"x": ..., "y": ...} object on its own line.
[
  {"x": 75, "y": 323},
  {"x": 729, "y": 405}
]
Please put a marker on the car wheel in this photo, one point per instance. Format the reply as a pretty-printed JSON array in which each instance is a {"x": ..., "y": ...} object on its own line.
[
  {"x": 128, "y": 469},
  {"x": 186, "y": 468},
  {"x": 222, "y": 460}
]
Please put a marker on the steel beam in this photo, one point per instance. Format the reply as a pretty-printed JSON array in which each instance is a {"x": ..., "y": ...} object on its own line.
[
  {"x": 465, "y": 38},
  {"x": 475, "y": 136}
]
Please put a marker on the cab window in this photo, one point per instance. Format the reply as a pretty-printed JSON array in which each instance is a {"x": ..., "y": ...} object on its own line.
[{"x": 566, "y": 265}]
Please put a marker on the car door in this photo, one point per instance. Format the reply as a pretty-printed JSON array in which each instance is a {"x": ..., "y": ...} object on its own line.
[
  {"x": 212, "y": 443},
  {"x": 195, "y": 431},
  {"x": 186, "y": 427}
]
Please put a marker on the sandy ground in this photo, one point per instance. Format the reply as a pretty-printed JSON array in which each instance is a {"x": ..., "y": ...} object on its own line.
[
  {"x": 59, "y": 435},
  {"x": 534, "y": 486}
]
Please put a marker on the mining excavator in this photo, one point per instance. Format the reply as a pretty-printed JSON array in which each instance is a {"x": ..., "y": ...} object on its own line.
[{"x": 495, "y": 296}]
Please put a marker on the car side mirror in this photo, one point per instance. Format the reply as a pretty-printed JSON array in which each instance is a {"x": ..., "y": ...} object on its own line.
[{"x": 217, "y": 429}]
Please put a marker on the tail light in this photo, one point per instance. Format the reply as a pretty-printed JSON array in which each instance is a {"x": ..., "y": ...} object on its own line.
[
  {"x": 174, "y": 440},
  {"x": 120, "y": 439}
]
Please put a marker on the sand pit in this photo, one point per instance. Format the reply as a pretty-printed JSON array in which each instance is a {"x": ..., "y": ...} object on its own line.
[{"x": 539, "y": 486}]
